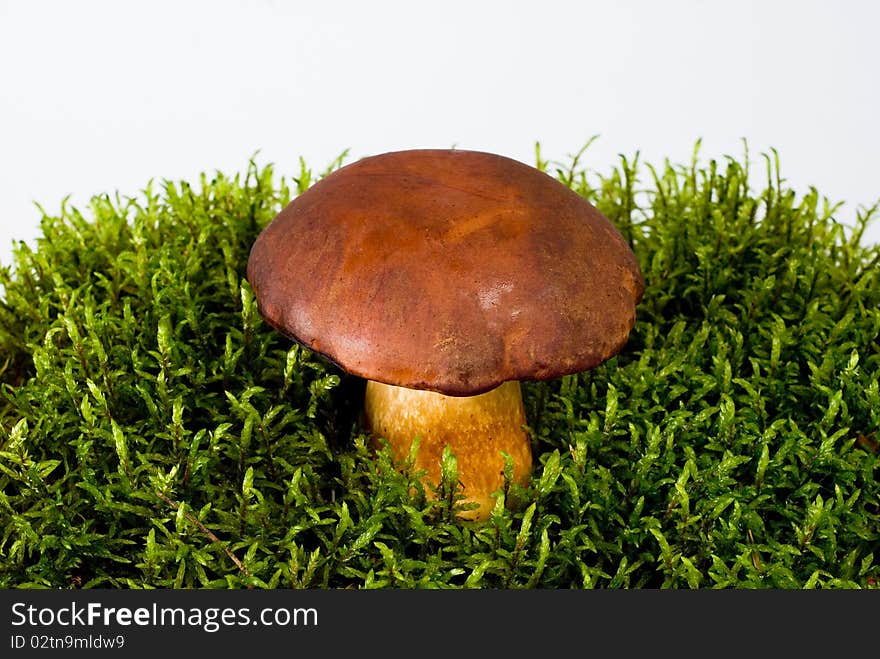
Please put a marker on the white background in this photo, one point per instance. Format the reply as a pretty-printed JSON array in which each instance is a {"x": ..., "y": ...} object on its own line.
[{"x": 100, "y": 97}]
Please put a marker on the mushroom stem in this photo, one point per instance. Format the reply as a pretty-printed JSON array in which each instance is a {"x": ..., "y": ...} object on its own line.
[{"x": 478, "y": 430}]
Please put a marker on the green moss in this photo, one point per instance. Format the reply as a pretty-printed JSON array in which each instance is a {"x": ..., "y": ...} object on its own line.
[{"x": 154, "y": 432}]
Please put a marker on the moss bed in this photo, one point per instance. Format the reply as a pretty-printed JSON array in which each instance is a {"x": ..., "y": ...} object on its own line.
[{"x": 155, "y": 432}]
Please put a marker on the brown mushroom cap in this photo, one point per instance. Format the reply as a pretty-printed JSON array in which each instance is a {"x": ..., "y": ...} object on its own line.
[{"x": 447, "y": 270}]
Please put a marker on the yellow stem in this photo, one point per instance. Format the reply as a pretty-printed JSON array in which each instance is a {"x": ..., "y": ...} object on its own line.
[{"x": 478, "y": 430}]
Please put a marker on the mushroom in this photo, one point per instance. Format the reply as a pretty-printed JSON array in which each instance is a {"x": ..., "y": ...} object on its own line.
[{"x": 444, "y": 277}]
